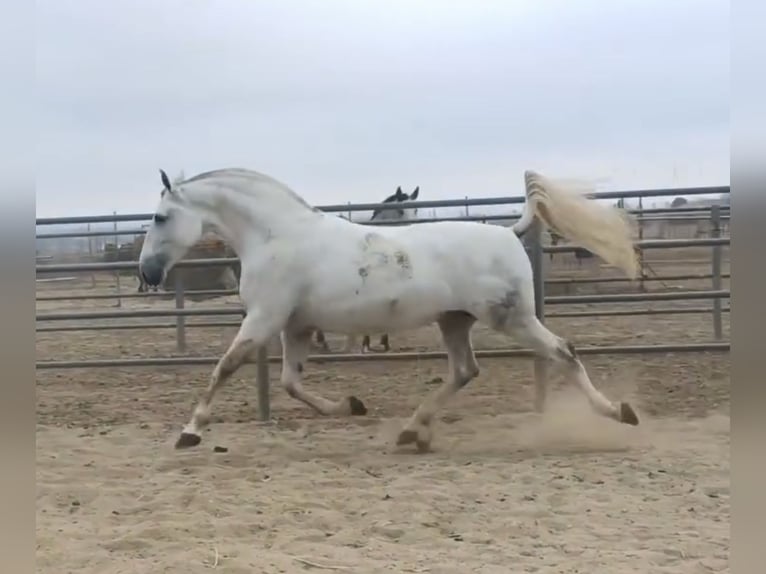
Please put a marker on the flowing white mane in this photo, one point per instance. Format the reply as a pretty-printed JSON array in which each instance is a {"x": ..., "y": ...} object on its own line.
[{"x": 275, "y": 188}]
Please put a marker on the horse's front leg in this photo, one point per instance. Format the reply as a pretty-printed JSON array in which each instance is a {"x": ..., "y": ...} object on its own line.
[
  {"x": 295, "y": 350},
  {"x": 256, "y": 330}
]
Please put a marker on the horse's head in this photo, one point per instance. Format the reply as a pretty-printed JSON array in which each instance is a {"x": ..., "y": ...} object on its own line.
[
  {"x": 175, "y": 228},
  {"x": 402, "y": 213}
]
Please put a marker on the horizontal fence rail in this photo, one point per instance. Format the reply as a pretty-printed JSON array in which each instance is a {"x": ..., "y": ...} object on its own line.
[
  {"x": 552, "y": 300},
  {"x": 468, "y": 202},
  {"x": 350, "y": 358},
  {"x": 651, "y": 244},
  {"x": 217, "y": 324},
  {"x": 144, "y": 295},
  {"x": 670, "y": 214}
]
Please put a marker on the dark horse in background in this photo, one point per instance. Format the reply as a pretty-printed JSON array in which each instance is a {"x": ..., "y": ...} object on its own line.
[{"x": 400, "y": 214}]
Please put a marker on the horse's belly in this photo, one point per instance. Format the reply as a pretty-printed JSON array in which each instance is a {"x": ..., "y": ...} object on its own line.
[{"x": 359, "y": 314}]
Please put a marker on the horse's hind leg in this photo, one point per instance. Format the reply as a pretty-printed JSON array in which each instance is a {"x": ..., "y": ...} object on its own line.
[
  {"x": 530, "y": 331},
  {"x": 295, "y": 350},
  {"x": 321, "y": 341},
  {"x": 455, "y": 327},
  {"x": 367, "y": 346}
]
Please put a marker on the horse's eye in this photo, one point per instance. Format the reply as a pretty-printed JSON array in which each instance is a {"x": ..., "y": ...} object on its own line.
[{"x": 160, "y": 218}]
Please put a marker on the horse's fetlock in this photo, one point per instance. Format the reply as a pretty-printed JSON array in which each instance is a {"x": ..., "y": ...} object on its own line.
[{"x": 290, "y": 390}]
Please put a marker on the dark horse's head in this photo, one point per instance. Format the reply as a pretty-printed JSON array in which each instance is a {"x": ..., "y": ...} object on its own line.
[{"x": 401, "y": 213}]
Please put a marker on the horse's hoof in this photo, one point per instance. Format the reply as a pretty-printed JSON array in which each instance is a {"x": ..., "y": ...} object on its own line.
[
  {"x": 628, "y": 415},
  {"x": 357, "y": 407},
  {"x": 188, "y": 440},
  {"x": 409, "y": 436}
]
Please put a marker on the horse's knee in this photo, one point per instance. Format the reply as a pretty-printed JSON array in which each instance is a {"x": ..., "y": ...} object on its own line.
[
  {"x": 228, "y": 367},
  {"x": 234, "y": 358}
]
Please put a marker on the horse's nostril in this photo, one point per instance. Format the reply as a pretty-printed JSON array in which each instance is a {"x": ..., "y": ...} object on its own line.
[
  {"x": 151, "y": 275},
  {"x": 152, "y": 270}
]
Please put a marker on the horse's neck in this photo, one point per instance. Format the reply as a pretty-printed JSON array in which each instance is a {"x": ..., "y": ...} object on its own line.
[{"x": 246, "y": 223}]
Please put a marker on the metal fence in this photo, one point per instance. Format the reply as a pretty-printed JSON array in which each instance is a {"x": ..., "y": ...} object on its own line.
[{"x": 716, "y": 214}]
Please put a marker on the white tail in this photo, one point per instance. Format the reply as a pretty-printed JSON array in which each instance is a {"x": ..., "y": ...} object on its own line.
[{"x": 602, "y": 229}]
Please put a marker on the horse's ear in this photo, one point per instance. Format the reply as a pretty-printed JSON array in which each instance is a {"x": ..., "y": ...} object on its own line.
[
  {"x": 414, "y": 194},
  {"x": 165, "y": 180}
]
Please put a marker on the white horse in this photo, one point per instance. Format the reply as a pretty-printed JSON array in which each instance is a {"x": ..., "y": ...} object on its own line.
[
  {"x": 303, "y": 270},
  {"x": 399, "y": 214}
]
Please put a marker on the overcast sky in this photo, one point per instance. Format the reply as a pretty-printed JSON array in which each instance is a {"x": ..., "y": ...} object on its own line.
[{"x": 343, "y": 101}]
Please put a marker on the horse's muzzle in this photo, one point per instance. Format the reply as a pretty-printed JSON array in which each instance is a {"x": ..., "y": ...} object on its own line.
[{"x": 152, "y": 270}]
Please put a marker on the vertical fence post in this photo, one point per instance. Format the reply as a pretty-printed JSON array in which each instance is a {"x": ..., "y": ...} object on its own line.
[
  {"x": 537, "y": 259},
  {"x": 262, "y": 380},
  {"x": 641, "y": 268},
  {"x": 91, "y": 259},
  {"x": 715, "y": 213},
  {"x": 117, "y": 258},
  {"x": 180, "y": 319}
]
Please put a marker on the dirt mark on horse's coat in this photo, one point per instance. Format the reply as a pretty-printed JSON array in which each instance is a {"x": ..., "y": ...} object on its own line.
[
  {"x": 501, "y": 311},
  {"x": 378, "y": 253}
]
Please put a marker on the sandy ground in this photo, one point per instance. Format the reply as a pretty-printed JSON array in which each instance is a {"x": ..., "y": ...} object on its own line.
[{"x": 504, "y": 491}]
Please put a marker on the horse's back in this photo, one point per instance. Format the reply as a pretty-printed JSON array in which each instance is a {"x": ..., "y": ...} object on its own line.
[
  {"x": 471, "y": 247},
  {"x": 423, "y": 250}
]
